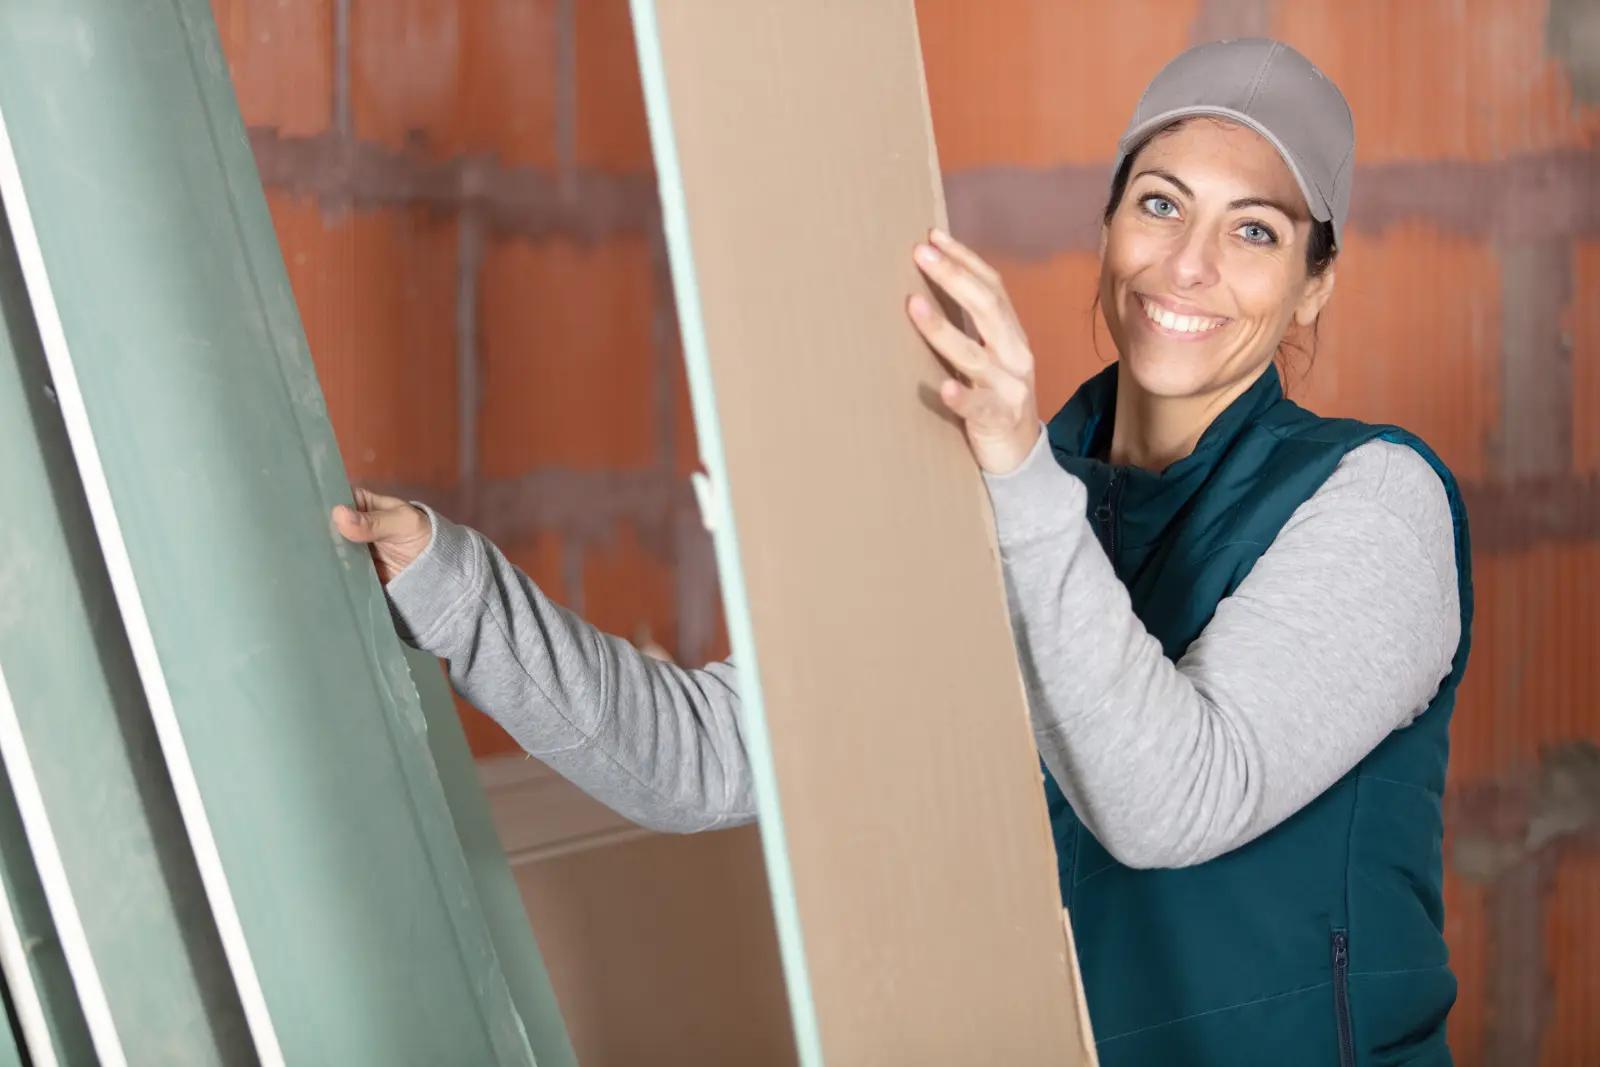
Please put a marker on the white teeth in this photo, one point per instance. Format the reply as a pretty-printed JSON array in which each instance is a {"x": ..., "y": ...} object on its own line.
[{"x": 1180, "y": 323}]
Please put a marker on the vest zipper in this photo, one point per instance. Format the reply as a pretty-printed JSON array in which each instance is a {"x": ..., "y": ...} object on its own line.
[
  {"x": 1106, "y": 516},
  {"x": 1341, "y": 998}
]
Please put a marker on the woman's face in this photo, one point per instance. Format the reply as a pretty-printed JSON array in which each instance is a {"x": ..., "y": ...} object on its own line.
[{"x": 1203, "y": 264}]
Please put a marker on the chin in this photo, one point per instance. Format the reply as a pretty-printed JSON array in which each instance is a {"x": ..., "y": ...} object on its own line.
[{"x": 1171, "y": 375}]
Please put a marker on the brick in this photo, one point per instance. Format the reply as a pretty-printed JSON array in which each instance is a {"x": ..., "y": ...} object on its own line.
[
  {"x": 1584, "y": 327},
  {"x": 1572, "y": 929},
  {"x": 1037, "y": 83},
  {"x": 1412, "y": 336},
  {"x": 1054, "y": 301},
  {"x": 610, "y": 131},
  {"x": 1530, "y": 681},
  {"x": 568, "y": 364},
  {"x": 1466, "y": 933},
  {"x": 376, "y": 293},
  {"x": 281, "y": 58},
  {"x": 1435, "y": 79},
  {"x": 449, "y": 78},
  {"x": 630, "y": 591}
]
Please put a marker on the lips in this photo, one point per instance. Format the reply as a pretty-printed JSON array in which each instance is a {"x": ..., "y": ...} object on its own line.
[{"x": 1172, "y": 322}]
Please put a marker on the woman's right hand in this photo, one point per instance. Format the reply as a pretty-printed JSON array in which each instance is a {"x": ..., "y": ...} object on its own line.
[{"x": 395, "y": 531}]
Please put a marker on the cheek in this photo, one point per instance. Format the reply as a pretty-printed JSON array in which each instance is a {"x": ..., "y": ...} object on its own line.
[
  {"x": 1128, "y": 255},
  {"x": 1263, "y": 292}
]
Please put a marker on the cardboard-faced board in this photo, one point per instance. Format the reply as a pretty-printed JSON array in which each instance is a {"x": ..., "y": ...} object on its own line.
[{"x": 902, "y": 812}]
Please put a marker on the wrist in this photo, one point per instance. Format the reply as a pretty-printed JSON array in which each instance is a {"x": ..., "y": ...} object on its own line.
[{"x": 1005, "y": 457}]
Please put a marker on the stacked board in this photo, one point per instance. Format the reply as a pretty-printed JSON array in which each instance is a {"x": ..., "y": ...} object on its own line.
[{"x": 232, "y": 829}]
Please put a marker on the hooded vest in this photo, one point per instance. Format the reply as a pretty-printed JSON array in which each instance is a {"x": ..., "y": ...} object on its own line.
[{"x": 1321, "y": 941}]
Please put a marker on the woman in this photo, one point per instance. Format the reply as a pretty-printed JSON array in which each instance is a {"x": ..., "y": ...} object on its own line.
[{"x": 1241, "y": 625}]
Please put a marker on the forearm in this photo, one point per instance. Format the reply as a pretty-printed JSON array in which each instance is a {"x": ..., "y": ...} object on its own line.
[
  {"x": 1317, "y": 657},
  {"x": 658, "y": 743}
]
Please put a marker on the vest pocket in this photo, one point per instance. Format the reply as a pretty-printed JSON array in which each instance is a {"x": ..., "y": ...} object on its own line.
[{"x": 1341, "y": 998}]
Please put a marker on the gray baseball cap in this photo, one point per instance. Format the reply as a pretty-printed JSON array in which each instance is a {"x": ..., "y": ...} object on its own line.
[{"x": 1274, "y": 90}]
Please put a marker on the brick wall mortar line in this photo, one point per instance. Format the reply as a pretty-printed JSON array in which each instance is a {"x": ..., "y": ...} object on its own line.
[
  {"x": 469, "y": 384},
  {"x": 1534, "y": 438},
  {"x": 1019, "y": 212}
]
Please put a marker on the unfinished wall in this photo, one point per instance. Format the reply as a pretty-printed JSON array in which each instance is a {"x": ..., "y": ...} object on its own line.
[{"x": 463, "y": 193}]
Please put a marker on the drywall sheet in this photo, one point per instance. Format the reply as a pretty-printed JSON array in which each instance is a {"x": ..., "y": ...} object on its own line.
[
  {"x": 44, "y": 1005},
  {"x": 10, "y": 1049},
  {"x": 287, "y": 718},
  {"x": 120, "y": 878},
  {"x": 901, "y": 810},
  {"x": 498, "y": 894}
]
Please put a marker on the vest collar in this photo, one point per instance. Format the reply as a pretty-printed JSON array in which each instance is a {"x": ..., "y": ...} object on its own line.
[{"x": 1082, "y": 429}]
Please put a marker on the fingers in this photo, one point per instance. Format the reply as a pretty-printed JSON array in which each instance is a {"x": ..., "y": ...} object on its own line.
[
  {"x": 977, "y": 290},
  {"x": 981, "y": 409},
  {"x": 367, "y": 500},
  {"x": 965, "y": 256},
  {"x": 395, "y": 524},
  {"x": 354, "y": 525},
  {"x": 956, "y": 397},
  {"x": 378, "y": 518},
  {"x": 956, "y": 348}
]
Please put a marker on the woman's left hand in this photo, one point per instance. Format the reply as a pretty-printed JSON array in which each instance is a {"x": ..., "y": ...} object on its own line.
[{"x": 993, "y": 395}]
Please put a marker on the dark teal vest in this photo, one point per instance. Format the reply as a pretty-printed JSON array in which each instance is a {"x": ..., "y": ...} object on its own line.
[{"x": 1321, "y": 941}]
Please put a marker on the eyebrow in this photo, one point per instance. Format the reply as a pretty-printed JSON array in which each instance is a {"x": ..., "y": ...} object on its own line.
[{"x": 1234, "y": 205}]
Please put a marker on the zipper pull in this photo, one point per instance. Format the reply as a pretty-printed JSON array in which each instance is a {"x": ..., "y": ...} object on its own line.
[{"x": 1103, "y": 512}]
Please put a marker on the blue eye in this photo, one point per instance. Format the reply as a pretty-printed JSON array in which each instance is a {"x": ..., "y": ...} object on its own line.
[
  {"x": 1258, "y": 234},
  {"x": 1170, "y": 209}
]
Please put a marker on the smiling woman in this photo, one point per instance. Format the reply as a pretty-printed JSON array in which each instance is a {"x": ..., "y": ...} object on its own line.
[{"x": 1241, "y": 625}]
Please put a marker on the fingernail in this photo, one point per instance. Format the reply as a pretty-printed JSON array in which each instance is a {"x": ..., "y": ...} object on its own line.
[{"x": 927, "y": 254}]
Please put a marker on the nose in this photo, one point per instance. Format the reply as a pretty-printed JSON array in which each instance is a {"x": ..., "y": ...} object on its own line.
[{"x": 1193, "y": 263}]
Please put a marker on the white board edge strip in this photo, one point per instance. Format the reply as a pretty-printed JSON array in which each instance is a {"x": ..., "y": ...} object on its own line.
[
  {"x": 63, "y": 909},
  {"x": 108, "y": 530},
  {"x": 741, "y": 635}
]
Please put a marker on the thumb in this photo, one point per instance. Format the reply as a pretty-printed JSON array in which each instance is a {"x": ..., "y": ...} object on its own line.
[
  {"x": 399, "y": 523},
  {"x": 353, "y": 525},
  {"x": 380, "y": 524}
]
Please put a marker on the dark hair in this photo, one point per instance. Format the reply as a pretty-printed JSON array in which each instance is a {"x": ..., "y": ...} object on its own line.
[{"x": 1320, "y": 250}]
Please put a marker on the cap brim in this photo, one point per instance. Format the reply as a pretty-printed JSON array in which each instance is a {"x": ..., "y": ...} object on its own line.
[{"x": 1315, "y": 203}]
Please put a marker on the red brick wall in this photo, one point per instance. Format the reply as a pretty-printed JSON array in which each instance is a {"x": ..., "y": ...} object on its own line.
[{"x": 464, "y": 198}]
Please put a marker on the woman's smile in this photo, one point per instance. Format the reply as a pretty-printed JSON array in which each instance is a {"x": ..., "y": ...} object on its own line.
[{"x": 1183, "y": 324}]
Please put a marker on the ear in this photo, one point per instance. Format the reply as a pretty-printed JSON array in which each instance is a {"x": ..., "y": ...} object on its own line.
[{"x": 1318, "y": 290}]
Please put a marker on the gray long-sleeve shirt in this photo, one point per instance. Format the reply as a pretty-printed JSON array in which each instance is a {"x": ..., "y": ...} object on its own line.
[{"x": 1340, "y": 634}]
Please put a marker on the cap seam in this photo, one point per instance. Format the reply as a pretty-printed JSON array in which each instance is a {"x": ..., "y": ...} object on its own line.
[
  {"x": 1138, "y": 108},
  {"x": 1349, "y": 152},
  {"x": 1261, "y": 75}
]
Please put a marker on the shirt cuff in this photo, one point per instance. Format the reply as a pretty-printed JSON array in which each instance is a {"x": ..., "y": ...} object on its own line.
[
  {"x": 434, "y": 587},
  {"x": 1037, "y": 501}
]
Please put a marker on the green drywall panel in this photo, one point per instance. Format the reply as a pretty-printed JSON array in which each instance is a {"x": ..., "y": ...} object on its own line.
[
  {"x": 43, "y": 1002},
  {"x": 149, "y": 966},
  {"x": 288, "y": 720},
  {"x": 10, "y": 1044},
  {"x": 498, "y": 893}
]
